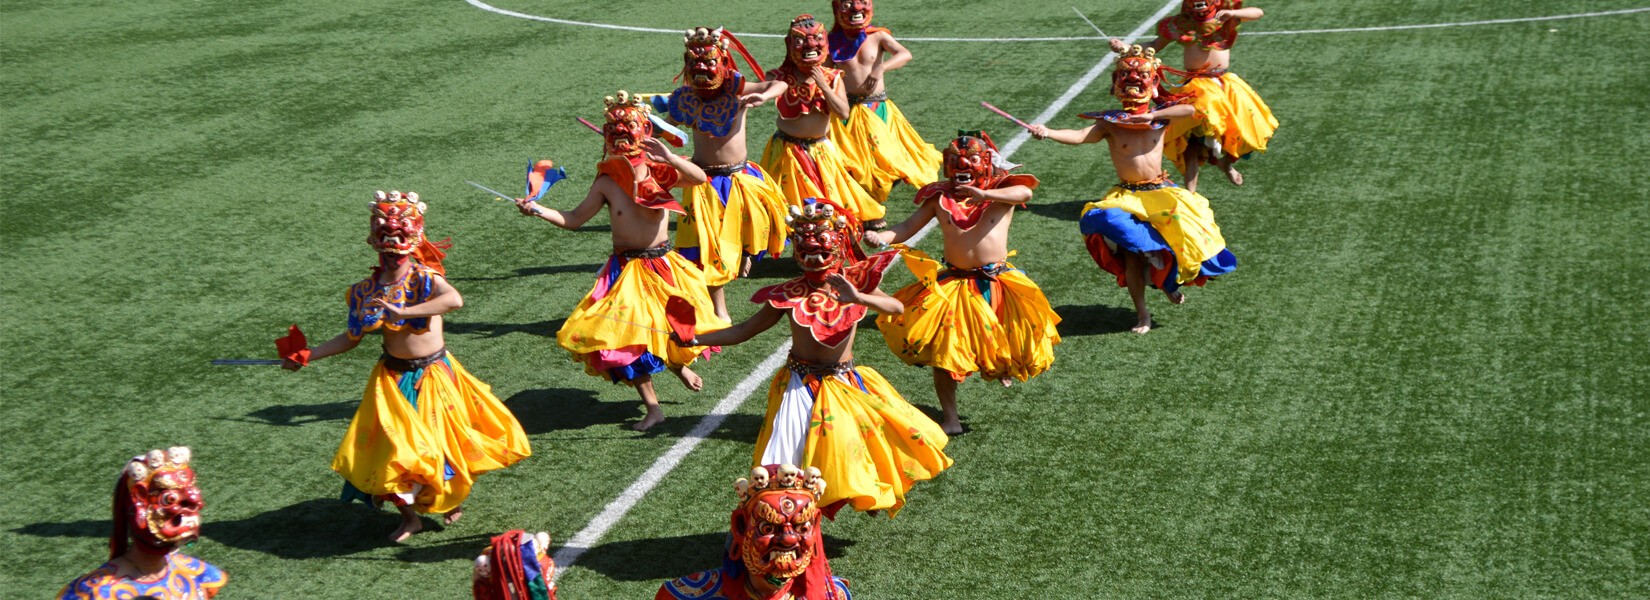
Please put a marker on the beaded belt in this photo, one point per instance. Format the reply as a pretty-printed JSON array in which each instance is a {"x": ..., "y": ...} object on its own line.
[
  {"x": 991, "y": 270},
  {"x": 723, "y": 170},
  {"x": 405, "y": 365},
  {"x": 805, "y": 368},
  {"x": 1162, "y": 181},
  {"x": 800, "y": 141},
  {"x": 877, "y": 97},
  {"x": 654, "y": 252}
]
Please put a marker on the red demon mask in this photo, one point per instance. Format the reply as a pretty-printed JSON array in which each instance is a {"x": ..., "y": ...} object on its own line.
[
  {"x": 817, "y": 233},
  {"x": 853, "y": 15},
  {"x": 1200, "y": 10},
  {"x": 157, "y": 505},
  {"x": 1136, "y": 78},
  {"x": 706, "y": 63},
  {"x": 776, "y": 527},
  {"x": 805, "y": 44},
  {"x": 626, "y": 126},
  {"x": 397, "y": 225},
  {"x": 971, "y": 160}
]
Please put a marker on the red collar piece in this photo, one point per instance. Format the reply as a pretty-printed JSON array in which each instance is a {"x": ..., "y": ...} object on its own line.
[
  {"x": 963, "y": 213},
  {"x": 831, "y": 322},
  {"x": 801, "y": 96},
  {"x": 652, "y": 191}
]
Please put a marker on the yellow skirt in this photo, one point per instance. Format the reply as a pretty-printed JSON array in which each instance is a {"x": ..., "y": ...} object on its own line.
[
  {"x": 869, "y": 444},
  {"x": 819, "y": 170},
  {"x": 421, "y": 437},
  {"x": 877, "y": 138},
  {"x": 620, "y": 331},
  {"x": 749, "y": 218},
  {"x": 1228, "y": 110},
  {"x": 1183, "y": 219},
  {"x": 970, "y": 322}
]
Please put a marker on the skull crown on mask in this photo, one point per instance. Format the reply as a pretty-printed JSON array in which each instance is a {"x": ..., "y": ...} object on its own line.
[
  {"x": 776, "y": 526},
  {"x": 817, "y": 234},
  {"x": 161, "y": 507},
  {"x": 706, "y": 63},
  {"x": 397, "y": 225},
  {"x": 627, "y": 125},
  {"x": 1135, "y": 81}
]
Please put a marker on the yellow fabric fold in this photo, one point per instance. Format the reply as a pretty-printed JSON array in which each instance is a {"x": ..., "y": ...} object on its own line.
[
  {"x": 951, "y": 325},
  {"x": 392, "y": 446},
  {"x": 1227, "y": 110},
  {"x": 751, "y": 222}
]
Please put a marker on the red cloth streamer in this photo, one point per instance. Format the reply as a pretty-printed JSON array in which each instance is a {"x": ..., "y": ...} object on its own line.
[
  {"x": 740, "y": 46},
  {"x": 294, "y": 346},
  {"x": 679, "y": 312}
]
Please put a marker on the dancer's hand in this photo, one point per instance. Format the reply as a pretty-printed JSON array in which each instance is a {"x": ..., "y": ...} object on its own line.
[
  {"x": 874, "y": 239},
  {"x": 1119, "y": 46},
  {"x": 656, "y": 150},
  {"x": 1223, "y": 14},
  {"x": 970, "y": 192},
  {"x": 527, "y": 207},
  {"x": 1140, "y": 118},
  {"x": 1039, "y": 131},
  {"x": 290, "y": 365},
  {"x": 841, "y": 290},
  {"x": 391, "y": 311},
  {"x": 751, "y": 100},
  {"x": 820, "y": 78},
  {"x": 677, "y": 339}
]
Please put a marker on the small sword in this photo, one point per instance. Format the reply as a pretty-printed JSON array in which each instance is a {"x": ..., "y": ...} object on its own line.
[
  {"x": 1005, "y": 115},
  {"x": 1091, "y": 23},
  {"x": 490, "y": 190},
  {"x": 237, "y": 362},
  {"x": 592, "y": 126}
]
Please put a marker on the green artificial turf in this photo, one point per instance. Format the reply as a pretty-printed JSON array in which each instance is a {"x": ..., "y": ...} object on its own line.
[{"x": 1426, "y": 379}]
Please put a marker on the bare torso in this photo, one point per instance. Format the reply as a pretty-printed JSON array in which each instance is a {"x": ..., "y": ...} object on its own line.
[
  {"x": 985, "y": 243},
  {"x": 1136, "y": 153},
  {"x": 1195, "y": 58},
  {"x": 406, "y": 344},
  {"x": 709, "y": 150},
  {"x": 805, "y": 347},
  {"x": 635, "y": 227},
  {"x": 811, "y": 125},
  {"x": 857, "y": 71}
]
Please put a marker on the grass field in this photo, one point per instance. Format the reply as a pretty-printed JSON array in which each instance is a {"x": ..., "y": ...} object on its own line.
[{"x": 1428, "y": 378}]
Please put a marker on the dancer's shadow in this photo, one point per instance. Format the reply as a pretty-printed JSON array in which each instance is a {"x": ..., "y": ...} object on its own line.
[
  {"x": 553, "y": 409},
  {"x": 1063, "y": 211},
  {"x": 465, "y": 548},
  {"x": 659, "y": 559},
  {"x": 735, "y": 427},
  {"x": 85, "y": 528},
  {"x": 318, "y": 528},
  {"x": 1094, "y": 319},
  {"x": 535, "y": 271},
  {"x": 493, "y": 330},
  {"x": 294, "y": 415}
]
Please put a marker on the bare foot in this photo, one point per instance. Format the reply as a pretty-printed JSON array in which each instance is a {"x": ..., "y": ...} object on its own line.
[
  {"x": 1143, "y": 326},
  {"x": 654, "y": 416},
  {"x": 744, "y": 269},
  {"x": 951, "y": 427},
  {"x": 453, "y": 515},
  {"x": 1233, "y": 175},
  {"x": 1176, "y": 297},
  {"x": 1006, "y": 381},
  {"x": 410, "y": 524},
  {"x": 690, "y": 379}
]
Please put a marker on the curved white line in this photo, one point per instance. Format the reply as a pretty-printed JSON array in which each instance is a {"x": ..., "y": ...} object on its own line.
[{"x": 510, "y": 13}]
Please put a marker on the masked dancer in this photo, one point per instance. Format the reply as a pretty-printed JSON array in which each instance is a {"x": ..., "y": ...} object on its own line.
[
  {"x": 875, "y": 136},
  {"x": 738, "y": 214},
  {"x": 425, "y": 427},
  {"x": 620, "y": 330},
  {"x": 805, "y": 163},
  {"x": 775, "y": 550},
  {"x": 977, "y": 314},
  {"x": 1146, "y": 229},
  {"x": 1231, "y": 121},
  {"x": 823, "y": 411},
  {"x": 157, "y": 512}
]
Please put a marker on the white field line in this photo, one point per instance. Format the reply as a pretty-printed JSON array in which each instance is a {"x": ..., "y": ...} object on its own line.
[
  {"x": 1084, "y": 38},
  {"x": 592, "y": 533}
]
